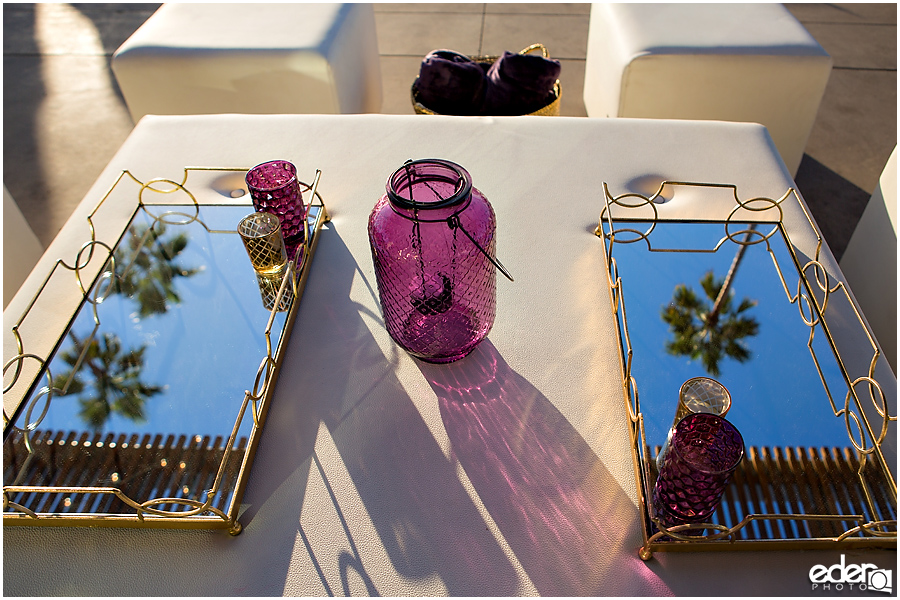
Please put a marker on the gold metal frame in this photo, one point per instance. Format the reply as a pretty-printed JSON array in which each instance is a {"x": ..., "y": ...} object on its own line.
[
  {"x": 149, "y": 513},
  {"x": 811, "y": 298}
]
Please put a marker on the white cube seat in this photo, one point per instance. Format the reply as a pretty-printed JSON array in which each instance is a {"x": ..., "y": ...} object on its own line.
[
  {"x": 870, "y": 261},
  {"x": 21, "y": 247},
  {"x": 728, "y": 62},
  {"x": 252, "y": 58}
]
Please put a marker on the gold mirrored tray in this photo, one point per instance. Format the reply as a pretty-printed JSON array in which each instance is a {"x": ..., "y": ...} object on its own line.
[
  {"x": 734, "y": 301},
  {"x": 147, "y": 409}
]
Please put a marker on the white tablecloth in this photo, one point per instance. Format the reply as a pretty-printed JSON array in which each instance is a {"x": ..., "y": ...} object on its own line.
[{"x": 362, "y": 483}]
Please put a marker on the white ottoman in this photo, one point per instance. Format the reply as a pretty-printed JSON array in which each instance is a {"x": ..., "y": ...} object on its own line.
[
  {"x": 870, "y": 261},
  {"x": 252, "y": 58},
  {"x": 21, "y": 248},
  {"x": 728, "y": 62}
]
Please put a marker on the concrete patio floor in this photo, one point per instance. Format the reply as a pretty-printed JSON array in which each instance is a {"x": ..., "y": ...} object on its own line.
[{"x": 64, "y": 117}]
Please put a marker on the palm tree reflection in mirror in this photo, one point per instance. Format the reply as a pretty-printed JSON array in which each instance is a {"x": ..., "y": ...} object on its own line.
[
  {"x": 115, "y": 377},
  {"x": 106, "y": 377},
  {"x": 711, "y": 328},
  {"x": 150, "y": 268}
]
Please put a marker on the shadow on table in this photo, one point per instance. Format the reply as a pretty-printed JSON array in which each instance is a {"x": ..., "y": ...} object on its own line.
[
  {"x": 563, "y": 514},
  {"x": 836, "y": 203},
  {"x": 336, "y": 374}
]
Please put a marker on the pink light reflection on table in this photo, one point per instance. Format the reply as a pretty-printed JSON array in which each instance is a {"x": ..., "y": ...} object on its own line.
[{"x": 561, "y": 511}]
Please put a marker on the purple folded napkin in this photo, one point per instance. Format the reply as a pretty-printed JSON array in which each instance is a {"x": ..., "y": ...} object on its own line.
[
  {"x": 519, "y": 84},
  {"x": 451, "y": 83}
]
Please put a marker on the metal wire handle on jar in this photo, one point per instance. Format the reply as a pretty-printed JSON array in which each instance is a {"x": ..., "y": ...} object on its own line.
[{"x": 452, "y": 221}]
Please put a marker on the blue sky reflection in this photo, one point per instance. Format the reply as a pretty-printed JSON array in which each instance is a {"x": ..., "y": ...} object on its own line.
[
  {"x": 205, "y": 349},
  {"x": 777, "y": 396}
]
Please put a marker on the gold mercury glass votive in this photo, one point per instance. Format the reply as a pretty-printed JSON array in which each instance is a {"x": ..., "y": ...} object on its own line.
[
  {"x": 261, "y": 234},
  {"x": 702, "y": 395},
  {"x": 268, "y": 291}
]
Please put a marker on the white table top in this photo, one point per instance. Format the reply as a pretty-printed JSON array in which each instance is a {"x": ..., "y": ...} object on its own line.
[{"x": 362, "y": 482}]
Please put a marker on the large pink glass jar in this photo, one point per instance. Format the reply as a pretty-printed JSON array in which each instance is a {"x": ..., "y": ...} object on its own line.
[{"x": 433, "y": 243}]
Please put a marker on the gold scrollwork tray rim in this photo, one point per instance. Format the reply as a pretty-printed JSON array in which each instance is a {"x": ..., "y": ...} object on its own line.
[
  {"x": 198, "y": 514},
  {"x": 658, "y": 537}
]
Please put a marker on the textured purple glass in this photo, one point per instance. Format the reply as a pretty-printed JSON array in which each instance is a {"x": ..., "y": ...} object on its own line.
[
  {"x": 437, "y": 288},
  {"x": 704, "y": 451},
  {"x": 274, "y": 188}
]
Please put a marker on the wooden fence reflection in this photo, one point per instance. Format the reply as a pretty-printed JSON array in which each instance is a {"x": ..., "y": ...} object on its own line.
[
  {"x": 805, "y": 481},
  {"x": 143, "y": 467}
]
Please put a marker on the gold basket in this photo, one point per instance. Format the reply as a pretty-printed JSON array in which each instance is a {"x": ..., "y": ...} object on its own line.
[{"x": 550, "y": 110}]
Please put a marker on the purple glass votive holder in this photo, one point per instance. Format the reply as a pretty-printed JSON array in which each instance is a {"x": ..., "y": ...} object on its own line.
[
  {"x": 704, "y": 451},
  {"x": 274, "y": 188}
]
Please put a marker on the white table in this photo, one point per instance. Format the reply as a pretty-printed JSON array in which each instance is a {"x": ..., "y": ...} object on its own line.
[
  {"x": 252, "y": 58},
  {"x": 359, "y": 486}
]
